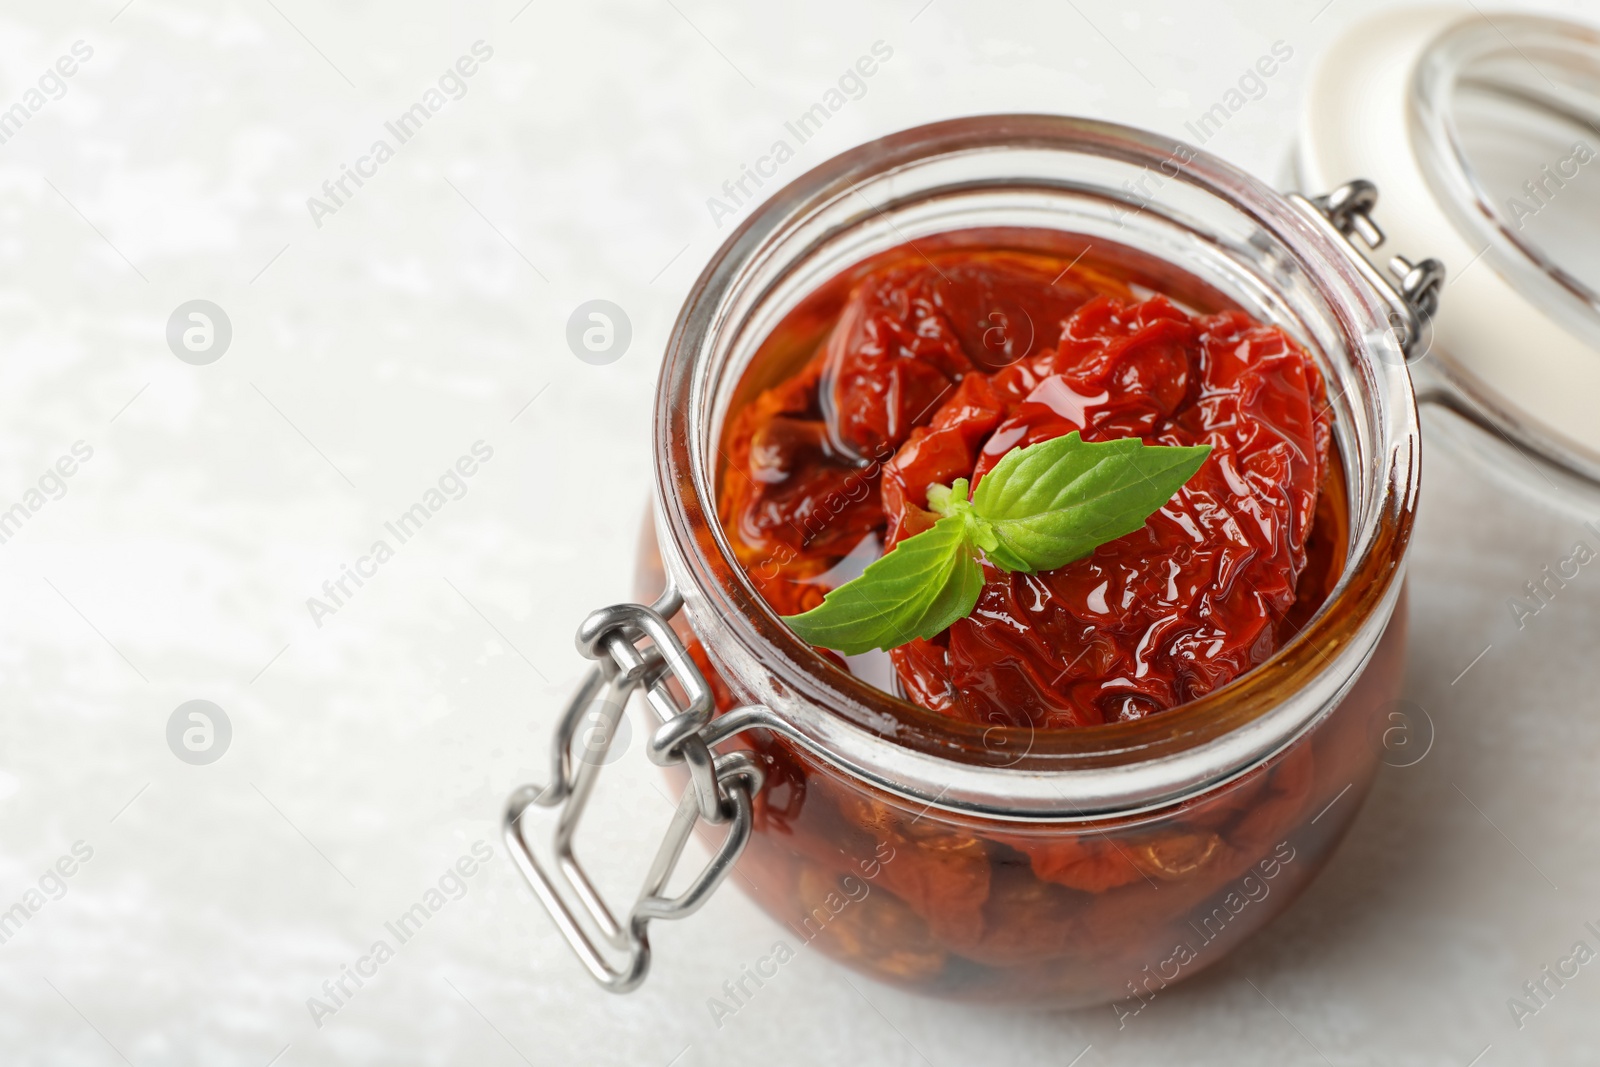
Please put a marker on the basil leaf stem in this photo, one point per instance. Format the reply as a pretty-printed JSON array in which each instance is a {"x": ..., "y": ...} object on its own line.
[{"x": 1039, "y": 508}]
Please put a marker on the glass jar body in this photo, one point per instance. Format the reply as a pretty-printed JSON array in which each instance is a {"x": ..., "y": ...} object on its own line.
[
  {"x": 1051, "y": 913},
  {"x": 1075, "y": 866}
]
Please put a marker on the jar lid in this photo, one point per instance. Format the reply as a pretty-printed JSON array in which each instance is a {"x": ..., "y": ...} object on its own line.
[{"x": 1483, "y": 133}]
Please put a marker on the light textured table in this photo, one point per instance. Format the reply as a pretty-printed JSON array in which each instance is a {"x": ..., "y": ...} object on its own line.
[{"x": 375, "y": 344}]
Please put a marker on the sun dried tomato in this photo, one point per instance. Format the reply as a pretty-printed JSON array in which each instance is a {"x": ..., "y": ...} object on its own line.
[{"x": 935, "y": 370}]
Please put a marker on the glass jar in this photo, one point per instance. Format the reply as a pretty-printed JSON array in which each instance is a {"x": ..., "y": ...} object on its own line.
[
  {"x": 1067, "y": 867},
  {"x": 1483, "y": 136}
]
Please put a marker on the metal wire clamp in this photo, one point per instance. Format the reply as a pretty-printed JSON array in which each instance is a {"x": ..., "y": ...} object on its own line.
[
  {"x": 1412, "y": 291},
  {"x": 721, "y": 789}
]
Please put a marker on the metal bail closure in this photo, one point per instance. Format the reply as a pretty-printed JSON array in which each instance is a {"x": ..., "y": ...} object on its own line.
[
  {"x": 1412, "y": 293},
  {"x": 722, "y": 788}
]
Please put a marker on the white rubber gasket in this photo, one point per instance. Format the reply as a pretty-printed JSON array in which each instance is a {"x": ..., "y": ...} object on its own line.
[{"x": 1502, "y": 353}]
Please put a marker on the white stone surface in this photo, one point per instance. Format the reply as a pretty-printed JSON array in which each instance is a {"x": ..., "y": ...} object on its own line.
[{"x": 371, "y": 351}]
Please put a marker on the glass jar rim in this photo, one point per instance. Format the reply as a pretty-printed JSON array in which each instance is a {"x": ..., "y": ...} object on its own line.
[{"x": 1114, "y": 768}]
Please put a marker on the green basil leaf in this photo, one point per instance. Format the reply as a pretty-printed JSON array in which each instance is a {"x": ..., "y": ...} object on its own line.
[
  {"x": 1057, "y": 501},
  {"x": 1040, "y": 508},
  {"x": 917, "y": 589}
]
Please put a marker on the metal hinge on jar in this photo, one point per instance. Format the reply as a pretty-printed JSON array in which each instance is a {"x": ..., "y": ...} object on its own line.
[
  {"x": 721, "y": 790},
  {"x": 1413, "y": 293}
]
